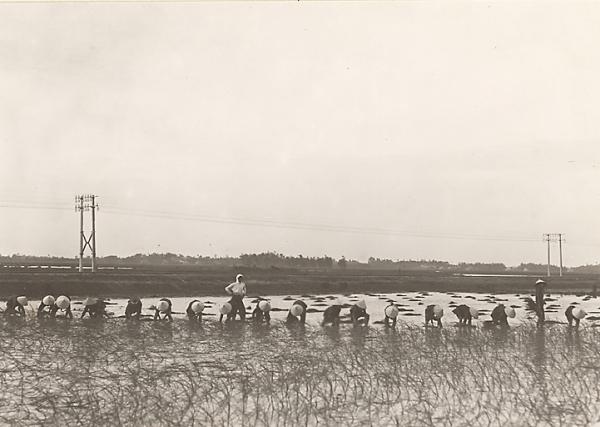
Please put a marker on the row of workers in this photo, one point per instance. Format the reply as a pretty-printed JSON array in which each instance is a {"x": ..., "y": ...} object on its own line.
[{"x": 95, "y": 308}]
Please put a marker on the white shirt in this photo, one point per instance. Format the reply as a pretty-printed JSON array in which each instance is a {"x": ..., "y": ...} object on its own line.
[{"x": 236, "y": 288}]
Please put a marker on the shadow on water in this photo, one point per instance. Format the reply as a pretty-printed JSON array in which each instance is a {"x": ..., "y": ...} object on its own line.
[
  {"x": 164, "y": 331},
  {"x": 133, "y": 329},
  {"x": 297, "y": 333},
  {"x": 332, "y": 332},
  {"x": 97, "y": 325},
  {"x": 433, "y": 337},
  {"x": 358, "y": 336},
  {"x": 391, "y": 332},
  {"x": 539, "y": 360},
  {"x": 539, "y": 345},
  {"x": 500, "y": 335},
  {"x": 573, "y": 340}
]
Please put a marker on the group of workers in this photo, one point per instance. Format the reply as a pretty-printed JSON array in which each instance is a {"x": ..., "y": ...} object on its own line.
[
  {"x": 501, "y": 313},
  {"x": 96, "y": 308}
]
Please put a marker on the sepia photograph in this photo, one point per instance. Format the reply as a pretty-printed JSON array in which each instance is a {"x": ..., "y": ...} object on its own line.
[{"x": 299, "y": 213}]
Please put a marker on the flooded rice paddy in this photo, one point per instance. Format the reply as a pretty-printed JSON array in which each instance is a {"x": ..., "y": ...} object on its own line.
[
  {"x": 115, "y": 372},
  {"x": 411, "y": 306}
]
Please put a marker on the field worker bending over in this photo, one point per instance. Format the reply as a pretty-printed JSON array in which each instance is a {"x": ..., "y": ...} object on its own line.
[
  {"x": 464, "y": 314},
  {"x": 297, "y": 313},
  {"x": 133, "y": 309},
  {"x": 194, "y": 310},
  {"x": 358, "y": 313},
  {"x": 501, "y": 313},
  {"x": 15, "y": 306},
  {"x": 261, "y": 312},
  {"x": 433, "y": 313},
  {"x": 225, "y": 310},
  {"x": 332, "y": 314},
  {"x": 237, "y": 290},
  {"x": 391, "y": 314},
  {"x": 94, "y": 307},
  {"x": 163, "y": 307},
  {"x": 45, "y": 307},
  {"x": 574, "y": 315},
  {"x": 62, "y": 303}
]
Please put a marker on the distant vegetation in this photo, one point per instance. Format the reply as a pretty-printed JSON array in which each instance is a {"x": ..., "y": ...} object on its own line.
[{"x": 273, "y": 260}]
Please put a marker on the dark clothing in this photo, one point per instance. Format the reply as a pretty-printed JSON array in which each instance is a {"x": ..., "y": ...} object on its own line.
[
  {"x": 237, "y": 307},
  {"x": 191, "y": 314},
  {"x": 293, "y": 319},
  {"x": 539, "y": 302},
  {"x": 463, "y": 312},
  {"x": 358, "y": 315},
  {"x": 332, "y": 315},
  {"x": 166, "y": 314},
  {"x": 499, "y": 316},
  {"x": 54, "y": 309},
  {"x": 95, "y": 310},
  {"x": 430, "y": 316},
  {"x": 570, "y": 317},
  {"x": 530, "y": 304},
  {"x": 260, "y": 316},
  {"x": 133, "y": 309},
  {"x": 14, "y": 307},
  {"x": 44, "y": 310}
]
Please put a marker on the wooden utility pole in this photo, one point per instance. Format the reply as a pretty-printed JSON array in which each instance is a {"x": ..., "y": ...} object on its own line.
[
  {"x": 86, "y": 203},
  {"x": 93, "y": 236},
  {"x": 560, "y": 252},
  {"x": 552, "y": 237},
  {"x": 547, "y": 238},
  {"x": 81, "y": 235}
]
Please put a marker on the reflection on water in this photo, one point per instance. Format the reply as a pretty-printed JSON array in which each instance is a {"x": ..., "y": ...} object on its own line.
[
  {"x": 358, "y": 336},
  {"x": 573, "y": 340},
  {"x": 110, "y": 372},
  {"x": 333, "y": 333}
]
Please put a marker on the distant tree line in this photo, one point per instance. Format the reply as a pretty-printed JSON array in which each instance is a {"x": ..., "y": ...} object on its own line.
[
  {"x": 275, "y": 260},
  {"x": 263, "y": 260}
]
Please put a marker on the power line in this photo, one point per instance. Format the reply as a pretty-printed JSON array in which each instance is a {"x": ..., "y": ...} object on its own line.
[
  {"x": 25, "y": 205},
  {"x": 308, "y": 226},
  {"x": 272, "y": 223}
]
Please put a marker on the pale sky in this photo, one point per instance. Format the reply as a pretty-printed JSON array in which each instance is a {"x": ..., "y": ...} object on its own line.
[{"x": 467, "y": 128}]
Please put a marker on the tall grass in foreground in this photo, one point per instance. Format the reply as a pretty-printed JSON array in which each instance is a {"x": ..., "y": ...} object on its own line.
[{"x": 117, "y": 372}]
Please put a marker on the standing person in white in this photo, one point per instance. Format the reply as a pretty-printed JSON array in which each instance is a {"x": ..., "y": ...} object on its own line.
[{"x": 237, "y": 290}]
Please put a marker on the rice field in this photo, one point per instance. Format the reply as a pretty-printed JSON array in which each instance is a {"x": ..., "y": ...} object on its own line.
[
  {"x": 411, "y": 306},
  {"x": 116, "y": 372}
]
